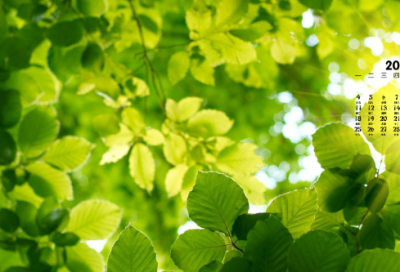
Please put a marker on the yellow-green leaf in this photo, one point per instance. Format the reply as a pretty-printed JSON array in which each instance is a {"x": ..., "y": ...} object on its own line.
[
  {"x": 142, "y": 167},
  {"x": 207, "y": 123},
  {"x": 153, "y": 136},
  {"x": 178, "y": 66},
  {"x": 174, "y": 179},
  {"x": 94, "y": 219},
  {"x": 115, "y": 153}
]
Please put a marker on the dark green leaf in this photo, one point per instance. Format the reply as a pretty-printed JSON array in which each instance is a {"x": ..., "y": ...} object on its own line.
[
  {"x": 245, "y": 223},
  {"x": 375, "y": 260},
  {"x": 65, "y": 239},
  {"x": 213, "y": 266},
  {"x": 237, "y": 265},
  {"x": 65, "y": 33},
  {"x": 376, "y": 233},
  {"x": 9, "y": 220},
  {"x": 8, "y": 148},
  {"x": 317, "y": 4},
  {"x": 10, "y": 108},
  {"x": 268, "y": 245},
  {"x": 378, "y": 191},
  {"x": 27, "y": 214}
]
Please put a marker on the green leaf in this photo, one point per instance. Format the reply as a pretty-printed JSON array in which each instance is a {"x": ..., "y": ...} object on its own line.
[
  {"x": 237, "y": 265},
  {"x": 50, "y": 216},
  {"x": 8, "y": 179},
  {"x": 198, "y": 18},
  {"x": 268, "y": 244},
  {"x": 336, "y": 145},
  {"x": 106, "y": 124},
  {"x": 207, "y": 123},
  {"x": 142, "y": 167},
  {"x": 37, "y": 130},
  {"x": 68, "y": 153},
  {"x": 65, "y": 33},
  {"x": 318, "y": 251},
  {"x": 282, "y": 51},
  {"x": 26, "y": 193},
  {"x": 15, "y": 53},
  {"x": 202, "y": 70},
  {"x": 391, "y": 214},
  {"x": 94, "y": 219},
  {"x": 378, "y": 191},
  {"x": 230, "y": 11},
  {"x": 174, "y": 179},
  {"x": 153, "y": 136},
  {"x": 245, "y": 223},
  {"x": 239, "y": 159},
  {"x": 84, "y": 259},
  {"x": 184, "y": 109},
  {"x": 376, "y": 233},
  {"x": 92, "y": 8},
  {"x": 136, "y": 87},
  {"x": 216, "y": 201},
  {"x": 333, "y": 189},
  {"x": 327, "y": 221},
  {"x": 392, "y": 158},
  {"x": 27, "y": 215},
  {"x": 132, "y": 118},
  {"x": 10, "y": 108},
  {"x": 9, "y": 220},
  {"x": 65, "y": 239},
  {"x": 317, "y": 4},
  {"x": 133, "y": 251},
  {"x": 47, "y": 181},
  {"x": 196, "y": 248},
  {"x": 115, "y": 153},
  {"x": 214, "y": 266},
  {"x": 178, "y": 66},
  {"x": 232, "y": 49},
  {"x": 8, "y": 148},
  {"x": 93, "y": 57},
  {"x": 174, "y": 148},
  {"x": 297, "y": 210},
  {"x": 375, "y": 260},
  {"x": 18, "y": 269}
]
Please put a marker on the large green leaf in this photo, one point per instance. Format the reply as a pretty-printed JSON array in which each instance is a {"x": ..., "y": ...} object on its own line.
[
  {"x": 239, "y": 159},
  {"x": 216, "y": 201},
  {"x": 327, "y": 221},
  {"x": 207, "y": 123},
  {"x": 10, "y": 108},
  {"x": 196, "y": 248},
  {"x": 336, "y": 145},
  {"x": 237, "y": 265},
  {"x": 92, "y": 8},
  {"x": 132, "y": 251},
  {"x": 230, "y": 11},
  {"x": 375, "y": 260},
  {"x": 9, "y": 220},
  {"x": 142, "y": 167},
  {"x": 391, "y": 214},
  {"x": 245, "y": 223},
  {"x": 81, "y": 258},
  {"x": 376, "y": 233},
  {"x": 27, "y": 215},
  {"x": 68, "y": 153},
  {"x": 268, "y": 244},
  {"x": 318, "y": 251},
  {"x": 253, "y": 188},
  {"x": 214, "y": 266},
  {"x": 333, "y": 189},
  {"x": 65, "y": 33},
  {"x": 47, "y": 181},
  {"x": 37, "y": 130},
  {"x": 94, "y": 219},
  {"x": 392, "y": 158},
  {"x": 297, "y": 210}
]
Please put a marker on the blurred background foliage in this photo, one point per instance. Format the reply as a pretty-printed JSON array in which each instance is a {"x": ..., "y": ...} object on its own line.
[{"x": 278, "y": 68}]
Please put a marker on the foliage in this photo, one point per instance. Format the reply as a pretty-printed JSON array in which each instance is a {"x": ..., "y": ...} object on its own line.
[{"x": 122, "y": 101}]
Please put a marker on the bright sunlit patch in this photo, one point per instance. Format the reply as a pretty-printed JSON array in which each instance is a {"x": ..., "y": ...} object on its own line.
[
  {"x": 266, "y": 180},
  {"x": 187, "y": 226},
  {"x": 285, "y": 97},
  {"x": 375, "y": 44},
  {"x": 396, "y": 37},
  {"x": 97, "y": 245},
  {"x": 257, "y": 209},
  {"x": 308, "y": 19},
  {"x": 312, "y": 40}
]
